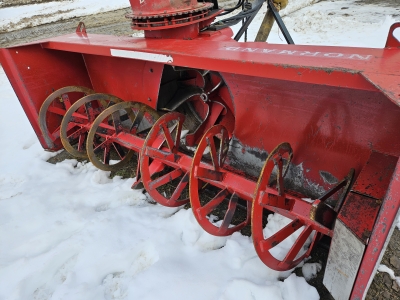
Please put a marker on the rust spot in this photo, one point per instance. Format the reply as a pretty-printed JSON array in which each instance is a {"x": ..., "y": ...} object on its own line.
[{"x": 328, "y": 177}]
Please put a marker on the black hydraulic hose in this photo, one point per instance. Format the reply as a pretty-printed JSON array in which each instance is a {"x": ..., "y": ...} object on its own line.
[
  {"x": 229, "y": 10},
  {"x": 244, "y": 27},
  {"x": 249, "y": 14},
  {"x": 246, "y": 13}
]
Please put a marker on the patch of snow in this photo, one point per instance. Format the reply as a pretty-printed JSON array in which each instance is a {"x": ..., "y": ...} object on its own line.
[
  {"x": 309, "y": 200},
  {"x": 386, "y": 269},
  {"x": 275, "y": 223},
  {"x": 295, "y": 287},
  {"x": 326, "y": 23},
  {"x": 241, "y": 289},
  {"x": 396, "y": 33},
  {"x": 310, "y": 270},
  {"x": 296, "y": 5},
  {"x": 348, "y": 32},
  {"x": 292, "y": 288}
]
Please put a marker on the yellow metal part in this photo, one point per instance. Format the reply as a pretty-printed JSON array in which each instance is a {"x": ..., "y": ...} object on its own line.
[{"x": 268, "y": 21}]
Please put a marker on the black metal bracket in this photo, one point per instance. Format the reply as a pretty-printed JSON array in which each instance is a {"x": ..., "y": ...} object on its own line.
[
  {"x": 280, "y": 23},
  {"x": 244, "y": 27},
  {"x": 248, "y": 16}
]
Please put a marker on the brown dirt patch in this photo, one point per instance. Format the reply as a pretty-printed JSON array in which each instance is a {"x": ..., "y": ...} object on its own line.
[{"x": 9, "y": 3}]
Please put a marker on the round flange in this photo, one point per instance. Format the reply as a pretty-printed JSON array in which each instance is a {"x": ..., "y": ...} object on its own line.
[
  {"x": 214, "y": 145},
  {"x": 154, "y": 18},
  {"x": 53, "y": 110},
  {"x": 168, "y": 187},
  {"x": 104, "y": 148},
  {"x": 280, "y": 157},
  {"x": 78, "y": 120},
  {"x": 167, "y": 9}
]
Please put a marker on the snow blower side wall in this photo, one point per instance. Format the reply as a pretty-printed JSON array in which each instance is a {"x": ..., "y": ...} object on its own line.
[{"x": 35, "y": 73}]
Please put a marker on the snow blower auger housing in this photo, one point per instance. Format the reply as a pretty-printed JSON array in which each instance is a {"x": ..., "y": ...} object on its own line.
[{"x": 307, "y": 132}]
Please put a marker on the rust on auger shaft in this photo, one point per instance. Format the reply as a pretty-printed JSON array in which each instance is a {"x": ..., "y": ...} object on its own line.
[{"x": 229, "y": 127}]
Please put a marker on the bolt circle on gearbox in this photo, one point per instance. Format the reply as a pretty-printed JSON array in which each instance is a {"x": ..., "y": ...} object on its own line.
[{"x": 157, "y": 15}]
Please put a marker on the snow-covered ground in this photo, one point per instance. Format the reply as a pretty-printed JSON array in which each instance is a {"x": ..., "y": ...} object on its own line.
[
  {"x": 68, "y": 231},
  {"x": 14, "y": 18},
  {"x": 332, "y": 22}
]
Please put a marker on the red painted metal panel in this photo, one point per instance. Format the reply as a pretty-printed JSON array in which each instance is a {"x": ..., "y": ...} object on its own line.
[
  {"x": 329, "y": 128},
  {"x": 128, "y": 79},
  {"x": 387, "y": 83},
  {"x": 331, "y": 131},
  {"x": 327, "y": 58},
  {"x": 327, "y": 122},
  {"x": 358, "y": 214},
  {"x": 334, "y": 66},
  {"x": 375, "y": 176},
  {"x": 362, "y": 205},
  {"x": 35, "y": 73},
  {"x": 380, "y": 237}
]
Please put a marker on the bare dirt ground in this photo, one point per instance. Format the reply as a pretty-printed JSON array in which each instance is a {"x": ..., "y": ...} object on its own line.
[
  {"x": 115, "y": 23},
  {"x": 8, "y": 3},
  {"x": 383, "y": 287}
]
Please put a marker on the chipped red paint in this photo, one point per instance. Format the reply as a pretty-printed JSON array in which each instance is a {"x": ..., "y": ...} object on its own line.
[
  {"x": 365, "y": 198},
  {"x": 375, "y": 176},
  {"x": 384, "y": 226}
]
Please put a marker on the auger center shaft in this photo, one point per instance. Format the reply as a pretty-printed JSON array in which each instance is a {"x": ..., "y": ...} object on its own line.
[{"x": 234, "y": 183}]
